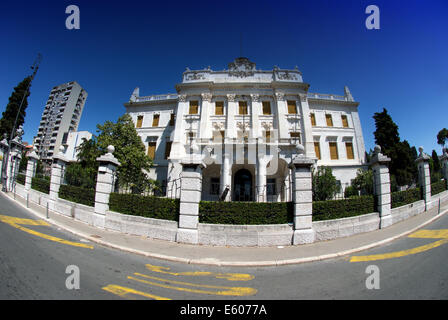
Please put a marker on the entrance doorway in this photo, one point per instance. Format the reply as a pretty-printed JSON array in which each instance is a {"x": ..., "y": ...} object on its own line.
[{"x": 242, "y": 186}]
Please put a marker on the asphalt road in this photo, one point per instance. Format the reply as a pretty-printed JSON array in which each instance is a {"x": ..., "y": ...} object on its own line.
[{"x": 33, "y": 266}]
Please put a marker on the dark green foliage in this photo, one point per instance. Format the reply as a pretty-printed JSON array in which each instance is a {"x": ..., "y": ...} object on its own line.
[
  {"x": 41, "y": 184},
  {"x": 325, "y": 185},
  {"x": 438, "y": 187},
  {"x": 145, "y": 206},
  {"x": 241, "y": 213},
  {"x": 401, "y": 198},
  {"x": 442, "y": 136},
  {"x": 10, "y": 113},
  {"x": 350, "y": 191},
  {"x": 363, "y": 182},
  {"x": 78, "y": 176},
  {"x": 20, "y": 178},
  {"x": 335, "y": 209},
  {"x": 77, "y": 194},
  {"x": 402, "y": 165}
]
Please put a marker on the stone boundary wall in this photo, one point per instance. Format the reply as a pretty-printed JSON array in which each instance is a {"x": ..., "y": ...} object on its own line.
[{"x": 229, "y": 235}]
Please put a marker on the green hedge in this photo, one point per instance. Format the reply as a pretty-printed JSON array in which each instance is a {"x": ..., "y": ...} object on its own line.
[
  {"x": 223, "y": 212},
  {"x": 438, "y": 187},
  {"x": 401, "y": 198},
  {"x": 145, "y": 206},
  {"x": 77, "y": 194},
  {"x": 40, "y": 184},
  {"x": 335, "y": 209},
  {"x": 20, "y": 178}
]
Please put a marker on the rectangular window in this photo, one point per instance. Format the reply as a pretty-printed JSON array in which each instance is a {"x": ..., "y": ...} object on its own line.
[
  {"x": 313, "y": 119},
  {"x": 194, "y": 107},
  {"x": 334, "y": 151},
  {"x": 219, "y": 108},
  {"x": 172, "y": 121},
  {"x": 295, "y": 136},
  {"x": 344, "y": 121},
  {"x": 350, "y": 153},
  {"x": 329, "y": 120},
  {"x": 139, "y": 121},
  {"x": 266, "y": 107},
  {"x": 292, "y": 108},
  {"x": 155, "y": 120},
  {"x": 317, "y": 150},
  {"x": 214, "y": 186},
  {"x": 168, "y": 149},
  {"x": 242, "y": 107},
  {"x": 152, "y": 149},
  {"x": 270, "y": 187}
]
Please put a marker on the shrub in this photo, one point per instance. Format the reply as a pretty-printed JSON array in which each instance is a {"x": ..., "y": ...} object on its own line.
[
  {"x": 77, "y": 194},
  {"x": 145, "y": 206},
  {"x": 401, "y": 198},
  {"x": 438, "y": 187},
  {"x": 20, "y": 178},
  {"x": 78, "y": 176},
  {"x": 41, "y": 184},
  {"x": 240, "y": 213},
  {"x": 350, "y": 191},
  {"x": 325, "y": 185},
  {"x": 335, "y": 209}
]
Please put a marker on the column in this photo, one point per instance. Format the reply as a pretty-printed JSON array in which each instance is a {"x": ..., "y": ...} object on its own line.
[
  {"x": 302, "y": 196},
  {"x": 177, "y": 149},
  {"x": 232, "y": 108},
  {"x": 57, "y": 173},
  {"x": 189, "y": 201},
  {"x": 205, "y": 131},
  {"x": 381, "y": 186},
  {"x": 226, "y": 177},
  {"x": 108, "y": 165},
  {"x": 424, "y": 175},
  {"x": 282, "y": 110},
  {"x": 444, "y": 165},
  {"x": 256, "y": 109},
  {"x": 307, "y": 133},
  {"x": 31, "y": 166}
]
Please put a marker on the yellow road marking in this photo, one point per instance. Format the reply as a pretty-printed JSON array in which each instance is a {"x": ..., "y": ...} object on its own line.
[
  {"x": 227, "y": 276},
  {"x": 17, "y": 222},
  {"x": 124, "y": 291},
  {"x": 425, "y": 234},
  {"x": 222, "y": 291}
]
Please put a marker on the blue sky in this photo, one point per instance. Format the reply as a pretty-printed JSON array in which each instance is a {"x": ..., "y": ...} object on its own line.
[{"x": 124, "y": 44}]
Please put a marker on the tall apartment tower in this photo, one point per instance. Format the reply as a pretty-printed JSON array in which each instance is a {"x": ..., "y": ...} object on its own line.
[{"x": 61, "y": 115}]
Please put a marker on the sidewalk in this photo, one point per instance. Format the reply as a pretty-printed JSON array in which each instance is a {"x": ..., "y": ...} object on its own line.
[{"x": 233, "y": 256}]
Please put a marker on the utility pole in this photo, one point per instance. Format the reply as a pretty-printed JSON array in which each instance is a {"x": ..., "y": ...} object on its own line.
[{"x": 34, "y": 67}]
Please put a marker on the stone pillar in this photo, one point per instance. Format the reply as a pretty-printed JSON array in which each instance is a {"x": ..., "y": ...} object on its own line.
[
  {"x": 444, "y": 165},
  {"x": 205, "y": 131},
  {"x": 189, "y": 201},
  {"x": 255, "y": 110},
  {"x": 381, "y": 186},
  {"x": 302, "y": 196},
  {"x": 104, "y": 185},
  {"x": 13, "y": 168},
  {"x": 282, "y": 111},
  {"x": 3, "y": 154},
  {"x": 57, "y": 173},
  {"x": 424, "y": 175},
  {"x": 226, "y": 176},
  {"x": 232, "y": 108},
  {"x": 31, "y": 168},
  {"x": 307, "y": 131}
]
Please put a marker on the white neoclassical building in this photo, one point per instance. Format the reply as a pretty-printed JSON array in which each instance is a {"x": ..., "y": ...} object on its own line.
[{"x": 246, "y": 124}]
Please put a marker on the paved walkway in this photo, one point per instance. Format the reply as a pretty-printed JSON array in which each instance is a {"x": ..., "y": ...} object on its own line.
[{"x": 234, "y": 256}]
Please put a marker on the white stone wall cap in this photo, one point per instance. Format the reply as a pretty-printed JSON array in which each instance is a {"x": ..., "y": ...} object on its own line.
[
  {"x": 33, "y": 155},
  {"x": 108, "y": 157},
  {"x": 301, "y": 160}
]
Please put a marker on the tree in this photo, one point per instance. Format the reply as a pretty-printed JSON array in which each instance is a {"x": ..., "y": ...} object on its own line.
[
  {"x": 402, "y": 166},
  {"x": 442, "y": 137},
  {"x": 325, "y": 185},
  {"x": 129, "y": 151},
  {"x": 12, "y": 108},
  {"x": 363, "y": 182}
]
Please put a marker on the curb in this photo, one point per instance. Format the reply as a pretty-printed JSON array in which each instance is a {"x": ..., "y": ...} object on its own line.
[{"x": 216, "y": 262}]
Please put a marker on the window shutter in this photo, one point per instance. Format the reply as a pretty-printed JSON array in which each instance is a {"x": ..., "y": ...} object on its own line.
[
  {"x": 242, "y": 107},
  {"x": 313, "y": 119},
  {"x": 171, "y": 119},
  {"x": 152, "y": 149},
  {"x": 350, "y": 153},
  {"x": 155, "y": 120},
  {"x": 317, "y": 149},
  {"x": 329, "y": 120},
  {"x": 194, "y": 107},
  {"x": 292, "y": 108},
  {"x": 266, "y": 107},
  {"x": 334, "y": 151},
  {"x": 139, "y": 121},
  {"x": 344, "y": 121},
  {"x": 167, "y": 149},
  {"x": 219, "y": 108}
]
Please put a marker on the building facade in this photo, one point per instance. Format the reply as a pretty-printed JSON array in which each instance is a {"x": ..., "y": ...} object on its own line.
[
  {"x": 71, "y": 141},
  {"x": 246, "y": 124},
  {"x": 61, "y": 115}
]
